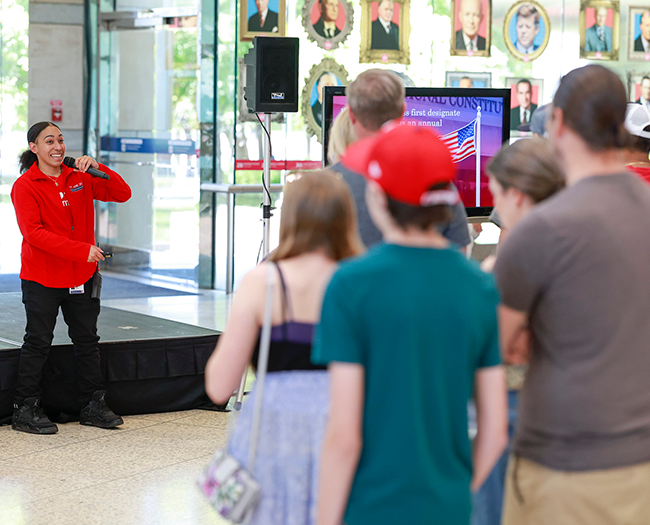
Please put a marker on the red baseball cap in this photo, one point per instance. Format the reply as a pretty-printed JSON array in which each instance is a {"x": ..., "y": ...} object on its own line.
[{"x": 405, "y": 161}]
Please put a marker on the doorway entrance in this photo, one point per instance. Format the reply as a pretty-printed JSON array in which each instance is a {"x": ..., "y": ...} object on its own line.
[
  {"x": 14, "y": 23},
  {"x": 148, "y": 129}
]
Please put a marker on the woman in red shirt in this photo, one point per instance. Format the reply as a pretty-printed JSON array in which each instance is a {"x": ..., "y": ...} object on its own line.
[{"x": 55, "y": 211}]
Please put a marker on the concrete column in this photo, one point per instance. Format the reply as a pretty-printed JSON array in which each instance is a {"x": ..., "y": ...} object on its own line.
[{"x": 56, "y": 66}]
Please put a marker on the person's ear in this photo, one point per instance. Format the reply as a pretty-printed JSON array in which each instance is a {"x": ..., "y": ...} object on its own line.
[
  {"x": 33, "y": 148},
  {"x": 376, "y": 194},
  {"x": 378, "y": 206},
  {"x": 556, "y": 122},
  {"x": 353, "y": 117},
  {"x": 519, "y": 197}
]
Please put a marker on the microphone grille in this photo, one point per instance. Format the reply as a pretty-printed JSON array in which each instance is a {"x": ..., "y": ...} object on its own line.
[{"x": 69, "y": 162}]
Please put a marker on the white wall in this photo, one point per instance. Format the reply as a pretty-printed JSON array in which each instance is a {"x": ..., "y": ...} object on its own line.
[{"x": 56, "y": 66}]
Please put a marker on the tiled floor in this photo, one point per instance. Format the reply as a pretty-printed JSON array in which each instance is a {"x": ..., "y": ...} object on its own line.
[{"x": 140, "y": 473}]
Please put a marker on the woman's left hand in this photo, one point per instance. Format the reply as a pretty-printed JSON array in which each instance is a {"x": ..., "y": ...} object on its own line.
[{"x": 85, "y": 162}]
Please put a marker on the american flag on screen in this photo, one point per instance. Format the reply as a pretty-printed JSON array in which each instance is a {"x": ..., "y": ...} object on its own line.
[{"x": 462, "y": 142}]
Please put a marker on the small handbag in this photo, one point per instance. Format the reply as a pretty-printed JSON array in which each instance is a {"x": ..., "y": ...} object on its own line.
[{"x": 230, "y": 488}]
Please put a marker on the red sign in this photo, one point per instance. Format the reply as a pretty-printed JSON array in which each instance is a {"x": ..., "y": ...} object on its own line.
[
  {"x": 253, "y": 165},
  {"x": 57, "y": 110}
]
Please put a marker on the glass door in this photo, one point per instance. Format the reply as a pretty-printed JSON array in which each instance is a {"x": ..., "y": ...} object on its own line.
[
  {"x": 148, "y": 128},
  {"x": 14, "y": 22}
]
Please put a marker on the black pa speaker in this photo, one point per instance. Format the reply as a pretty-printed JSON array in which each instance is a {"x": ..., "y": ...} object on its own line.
[{"x": 272, "y": 75}]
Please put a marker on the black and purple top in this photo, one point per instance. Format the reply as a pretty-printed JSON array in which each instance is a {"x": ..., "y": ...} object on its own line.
[{"x": 290, "y": 341}]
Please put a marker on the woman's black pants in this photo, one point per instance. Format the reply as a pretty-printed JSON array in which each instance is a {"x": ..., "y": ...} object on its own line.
[{"x": 80, "y": 313}]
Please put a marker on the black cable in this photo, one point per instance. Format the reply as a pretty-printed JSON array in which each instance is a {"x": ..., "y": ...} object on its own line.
[{"x": 268, "y": 193}]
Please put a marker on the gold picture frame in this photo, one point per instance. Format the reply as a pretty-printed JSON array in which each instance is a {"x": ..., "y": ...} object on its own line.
[
  {"x": 311, "y": 104},
  {"x": 386, "y": 47},
  {"x": 250, "y": 25},
  {"x": 474, "y": 79},
  {"x": 591, "y": 47},
  {"x": 636, "y": 46},
  {"x": 541, "y": 30},
  {"x": 483, "y": 42},
  {"x": 636, "y": 79},
  {"x": 315, "y": 29}
]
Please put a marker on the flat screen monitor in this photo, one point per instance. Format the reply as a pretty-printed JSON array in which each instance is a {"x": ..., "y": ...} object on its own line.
[{"x": 474, "y": 123}]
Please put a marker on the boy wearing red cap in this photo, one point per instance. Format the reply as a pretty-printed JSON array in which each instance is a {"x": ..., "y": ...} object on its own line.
[{"x": 409, "y": 332}]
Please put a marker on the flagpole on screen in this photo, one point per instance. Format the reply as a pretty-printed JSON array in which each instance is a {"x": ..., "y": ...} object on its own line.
[{"x": 478, "y": 156}]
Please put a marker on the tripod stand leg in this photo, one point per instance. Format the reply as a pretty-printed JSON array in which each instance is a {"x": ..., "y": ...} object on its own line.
[{"x": 240, "y": 391}]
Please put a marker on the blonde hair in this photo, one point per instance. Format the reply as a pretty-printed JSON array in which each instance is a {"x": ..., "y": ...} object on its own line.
[
  {"x": 318, "y": 212},
  {"x": 342, "y": 135},
  {"x": 375, "y": 97}
]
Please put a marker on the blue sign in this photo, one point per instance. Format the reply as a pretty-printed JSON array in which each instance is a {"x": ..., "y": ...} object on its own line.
[{"x": 138, "y": 145}]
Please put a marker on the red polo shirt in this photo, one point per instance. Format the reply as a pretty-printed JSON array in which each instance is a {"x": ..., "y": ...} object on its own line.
[{"x": 57, "y": 221}]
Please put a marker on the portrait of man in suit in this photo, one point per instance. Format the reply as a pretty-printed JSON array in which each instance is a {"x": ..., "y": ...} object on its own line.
[
  {"x": 326, "y": 24},
  {"x": 598, "y": 37},
  {"x": 466, "y": 82},
  {"x": 642, "y": 43},
  {"x": 524, "y": 111},
  {"x": 644, "y": 99},
  {"x": 470, "y": 16},
  {"x": 385, "y": 32},
  {"x": 265, "y": 20},
  {"x": 326, "y": 79},
  {"x": 527, "y": 26}
]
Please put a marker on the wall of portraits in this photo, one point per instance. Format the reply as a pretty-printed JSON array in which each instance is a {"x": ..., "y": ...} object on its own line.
[{"x": 526, "y": 45}]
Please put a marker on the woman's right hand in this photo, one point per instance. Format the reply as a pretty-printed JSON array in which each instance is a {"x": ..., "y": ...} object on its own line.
[{"x": 95, "y": 254}]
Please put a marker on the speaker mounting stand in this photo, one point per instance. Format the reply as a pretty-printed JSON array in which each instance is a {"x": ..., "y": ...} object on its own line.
[
  {"x": 271, "y": 87},
  {"x": 266, "y": 182}
]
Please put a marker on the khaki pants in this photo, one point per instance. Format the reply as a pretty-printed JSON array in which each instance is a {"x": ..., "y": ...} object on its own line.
[{"x": 536, "y": 495}]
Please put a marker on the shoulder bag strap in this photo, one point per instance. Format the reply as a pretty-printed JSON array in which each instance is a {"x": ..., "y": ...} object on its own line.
[{"x": 262, "y": 363}]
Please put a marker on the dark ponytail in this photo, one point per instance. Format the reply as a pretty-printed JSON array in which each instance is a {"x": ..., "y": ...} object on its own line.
[{"x": 27, "y": 158}]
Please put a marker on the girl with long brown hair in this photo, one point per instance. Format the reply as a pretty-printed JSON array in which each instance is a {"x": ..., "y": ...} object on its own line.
[{"x": 318, "y": 228}]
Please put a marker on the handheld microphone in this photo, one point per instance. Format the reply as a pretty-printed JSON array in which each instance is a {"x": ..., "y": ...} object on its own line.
[{"x": 70, "y": 163}]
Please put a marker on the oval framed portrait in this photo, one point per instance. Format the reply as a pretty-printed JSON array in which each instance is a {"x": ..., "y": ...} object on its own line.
[
  {"x": 526, "y": 30},
  {"x": 327, "y": 73},
  {"x": 327, "y": 22}
]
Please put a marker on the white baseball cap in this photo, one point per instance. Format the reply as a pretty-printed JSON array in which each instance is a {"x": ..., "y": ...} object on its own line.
[{"x": 637, "y": 119}]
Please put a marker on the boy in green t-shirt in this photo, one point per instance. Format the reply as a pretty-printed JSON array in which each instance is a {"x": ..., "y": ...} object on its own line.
[{"x": 409, "y": 331}]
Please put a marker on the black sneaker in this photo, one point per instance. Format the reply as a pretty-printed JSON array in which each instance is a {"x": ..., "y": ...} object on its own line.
[
  {"x": 30, "y": 418},
  {"x": 97, "y": 413}
]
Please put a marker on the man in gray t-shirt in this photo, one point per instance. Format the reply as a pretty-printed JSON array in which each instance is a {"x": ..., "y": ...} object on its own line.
[
  {"x": 575, "y": 276},
  {"x": 578, "y": 266}
]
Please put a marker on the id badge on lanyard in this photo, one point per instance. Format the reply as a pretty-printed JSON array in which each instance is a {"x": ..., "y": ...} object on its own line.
[{"x": 77, "y": 289}]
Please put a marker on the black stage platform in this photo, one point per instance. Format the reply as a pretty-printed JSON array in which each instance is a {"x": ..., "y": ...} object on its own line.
[{"x": 149, "y": 364}]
